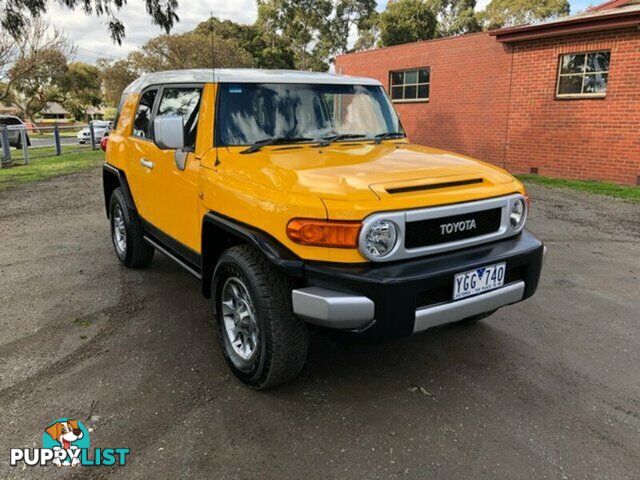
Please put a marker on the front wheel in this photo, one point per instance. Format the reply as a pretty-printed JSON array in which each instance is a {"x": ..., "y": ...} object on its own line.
[{"x": 263, "y": 342}]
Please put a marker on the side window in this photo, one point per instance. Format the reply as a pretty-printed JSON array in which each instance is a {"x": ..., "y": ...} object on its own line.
[
  {"x": 142, "y": 126},
  {"x": 183, "y": 101},
  {"x": 410, "y": 85},
  {"x": 583, "y": 74}
]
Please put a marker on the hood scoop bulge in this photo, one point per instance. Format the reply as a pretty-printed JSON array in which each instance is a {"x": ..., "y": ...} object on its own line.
[{"x": 432, "y": 186}]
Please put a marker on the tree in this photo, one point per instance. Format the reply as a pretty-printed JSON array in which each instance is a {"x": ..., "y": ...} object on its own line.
[
  {"x": 190, "y": 50},
  {"x": 406, "y": 21},
  {"x": 32, "y": 68},
  {"x": 170, "y": 52},
  {"x": 110, "y": 113},
  {"x": 32, "y": 93},
  {"x": 508, "y": 13},
  {"x": 454, "y": 17},
  {"x": 368, "y": 33},
  {"x": 351, "y": 17},
  {"x": 17, "y": 15},
  {"x": 252, "y": 39},
  {"x": 81, "y": 88},
  {"x": 300, "y": 24},
  {"x": 20, "y": 60},
  {"x": 116, "y": 76}
]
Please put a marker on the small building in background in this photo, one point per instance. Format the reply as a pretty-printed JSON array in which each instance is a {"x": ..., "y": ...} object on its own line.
[
  {"x": 55, "y": 113},
  {"x": 560, "y": 98},
  {"x": 94, "y": 113}
]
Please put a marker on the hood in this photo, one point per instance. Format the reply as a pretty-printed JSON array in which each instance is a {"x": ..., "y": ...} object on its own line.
[{"x": 363, "y": 171}]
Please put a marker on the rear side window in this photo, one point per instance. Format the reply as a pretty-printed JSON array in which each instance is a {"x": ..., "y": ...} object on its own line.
[
  {"x": 183, "y": 101},
  {"x": 142, "y": 126}
]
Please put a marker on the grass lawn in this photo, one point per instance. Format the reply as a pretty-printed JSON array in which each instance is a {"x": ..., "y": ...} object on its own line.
[
  {"x": 601, "y": 188},
  {"x": 48, "y": 167},
  {"x": 49, "y": 134},
  {"x": 36, "y": 152}
]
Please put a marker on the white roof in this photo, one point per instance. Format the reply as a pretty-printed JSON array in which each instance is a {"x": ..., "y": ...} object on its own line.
[{"x": 244, "y": 75}]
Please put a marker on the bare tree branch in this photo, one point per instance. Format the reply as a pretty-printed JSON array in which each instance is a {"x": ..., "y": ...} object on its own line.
[{"x": 16, "y": 15}]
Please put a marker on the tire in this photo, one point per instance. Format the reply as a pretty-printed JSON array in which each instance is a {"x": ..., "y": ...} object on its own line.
[
  {"x": 131, "y": 249},
  {"x": 279, "y": 338}
]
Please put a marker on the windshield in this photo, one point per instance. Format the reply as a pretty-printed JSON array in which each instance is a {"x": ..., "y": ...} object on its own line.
[{"x": 250, "y": 113}]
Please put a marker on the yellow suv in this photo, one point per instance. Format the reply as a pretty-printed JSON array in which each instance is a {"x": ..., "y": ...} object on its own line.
[{"x": 297, "y": 200}]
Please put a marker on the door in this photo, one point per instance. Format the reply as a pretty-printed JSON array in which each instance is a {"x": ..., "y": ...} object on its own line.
[
  {"x": 171, "y": 193},
  {"x": 143, "y": 155}
]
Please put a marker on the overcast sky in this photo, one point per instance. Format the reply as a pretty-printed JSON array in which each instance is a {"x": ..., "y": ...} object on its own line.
[{"x": 93, "y": 41}]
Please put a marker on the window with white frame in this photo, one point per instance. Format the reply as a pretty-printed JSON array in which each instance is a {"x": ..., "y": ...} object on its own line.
[
  {"x": 410, "y": 85},
  {"x": 583, "y": 74}
]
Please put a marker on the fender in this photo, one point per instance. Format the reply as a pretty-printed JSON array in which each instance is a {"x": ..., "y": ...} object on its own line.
[
  {"x": 236, "y": 232},
  {"x": 113, "y": 178}
]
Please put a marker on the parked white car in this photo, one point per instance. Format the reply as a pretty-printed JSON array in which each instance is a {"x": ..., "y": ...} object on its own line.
[
  {"x": 14, "y": 125},
  {"x": 100, "y": 130}
]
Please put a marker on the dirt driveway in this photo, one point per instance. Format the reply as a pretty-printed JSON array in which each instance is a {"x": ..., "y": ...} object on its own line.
[{"x": 549, "y": 388}]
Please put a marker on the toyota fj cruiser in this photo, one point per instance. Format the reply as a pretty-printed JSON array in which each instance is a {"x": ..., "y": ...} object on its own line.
[{"x": 296, "y": 199}]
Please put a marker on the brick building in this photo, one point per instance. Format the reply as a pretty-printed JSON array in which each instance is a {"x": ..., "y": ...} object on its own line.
[{"x": 561, "y": 98}]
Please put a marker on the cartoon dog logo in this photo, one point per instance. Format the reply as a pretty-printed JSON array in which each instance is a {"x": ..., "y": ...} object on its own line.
[{"x": 66, "y": 433}]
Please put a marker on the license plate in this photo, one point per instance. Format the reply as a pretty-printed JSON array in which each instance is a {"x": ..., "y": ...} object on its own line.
[{"x": 479, "y": 280}]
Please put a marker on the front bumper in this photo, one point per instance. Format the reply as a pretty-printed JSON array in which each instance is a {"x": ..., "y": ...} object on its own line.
[{"x": 400, "y": 298}]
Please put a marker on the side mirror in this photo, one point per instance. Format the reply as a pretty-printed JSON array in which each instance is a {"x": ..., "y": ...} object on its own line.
[{"x": 169, "y": 132}]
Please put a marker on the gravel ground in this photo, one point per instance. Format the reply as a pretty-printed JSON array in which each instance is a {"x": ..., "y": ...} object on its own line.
[{"x": 549, "y": 388}]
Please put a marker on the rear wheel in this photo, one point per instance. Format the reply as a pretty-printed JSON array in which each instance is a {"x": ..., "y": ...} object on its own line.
[
  {"x": 127, "y": 233},
  {"x": 263, "y": 342}
]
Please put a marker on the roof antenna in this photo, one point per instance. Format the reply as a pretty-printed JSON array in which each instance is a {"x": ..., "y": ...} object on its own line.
[
  {"x": 213, "y": 70},
  {"x": 213, "y": 62}
]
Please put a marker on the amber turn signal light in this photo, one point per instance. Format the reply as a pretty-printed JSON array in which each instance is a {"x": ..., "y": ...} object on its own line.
[{"x": 324, "y": 233}]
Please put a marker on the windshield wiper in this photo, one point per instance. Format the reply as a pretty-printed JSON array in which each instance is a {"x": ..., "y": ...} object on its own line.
[
  {"x": 334, "y": 138},
  {"x": 273, "y": 141},
  {"x": 383, "y": 136}
]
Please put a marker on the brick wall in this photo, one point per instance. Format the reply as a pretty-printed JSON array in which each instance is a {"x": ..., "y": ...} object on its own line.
[
  {"x": 468, "y": 104},
  {"x": 577, "y": 138},
  {"x": 499, "y": 105}
]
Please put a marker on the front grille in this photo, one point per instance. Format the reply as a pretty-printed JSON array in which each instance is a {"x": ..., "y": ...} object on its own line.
[
  {"x": 425, "y": 233},
  {"x": 444, "y": 293}
]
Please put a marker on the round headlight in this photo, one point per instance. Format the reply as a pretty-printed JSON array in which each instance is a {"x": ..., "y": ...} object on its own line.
[
  {"x": 518, "y": 214},
  {"x": 380, "y": 238}
]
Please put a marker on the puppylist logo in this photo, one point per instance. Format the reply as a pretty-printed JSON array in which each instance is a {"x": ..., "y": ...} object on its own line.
[{"x": 65, "y": 443}]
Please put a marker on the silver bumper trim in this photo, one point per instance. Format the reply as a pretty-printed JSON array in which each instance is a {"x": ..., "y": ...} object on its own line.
[
  {"x": 332, "y": 309},
  {"x": 468, "y": 307}
]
